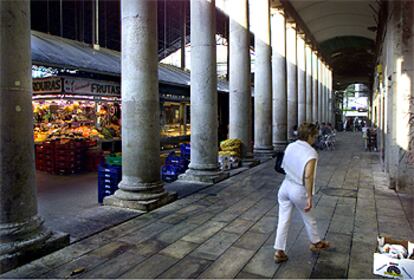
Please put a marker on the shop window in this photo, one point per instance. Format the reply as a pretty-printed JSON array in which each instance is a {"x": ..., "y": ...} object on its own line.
[{"x": 175, "y": 121}]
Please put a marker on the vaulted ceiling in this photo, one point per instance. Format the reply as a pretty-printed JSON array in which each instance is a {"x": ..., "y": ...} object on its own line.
[{"x": 345, "y": 31}]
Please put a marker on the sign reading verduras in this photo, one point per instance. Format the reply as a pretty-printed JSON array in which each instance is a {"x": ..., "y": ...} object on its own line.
[{"x": 47, "y": 85}]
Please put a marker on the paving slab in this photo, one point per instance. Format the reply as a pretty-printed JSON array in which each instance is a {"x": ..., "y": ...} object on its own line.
[
  {"x": 187, "y": 268},
  {"x": 342, "y": 224},
  {"x": 179, "y": 249},
  {"x": 225, "y": 266},
  {"x": 176, "y": 232},
  {"x": 262, "y": 263},
  {"x": 301, "y": 260},
  {"x": 361, "y": 260},
  {"x": 239, "y": 226},
  {"x": 114, "y": 267},
  {"x": 251, "y": 240},
  {"x": 333, "y": 262},
  {"x": 150, "y": 268},
  {"x": 88, "y": 261},
  {"x": 145, "y": 233},
  {"x": 204, "y": 232},
  {"x": 216, "y": 245},
  {"x": 246, "y": 275}
]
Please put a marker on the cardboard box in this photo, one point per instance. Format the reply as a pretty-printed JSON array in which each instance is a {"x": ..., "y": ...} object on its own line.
[{"x": 393, "y": 268}]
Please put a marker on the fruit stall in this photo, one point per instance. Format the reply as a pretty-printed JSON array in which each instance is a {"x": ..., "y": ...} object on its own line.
[{"x": 73, "y": 118}]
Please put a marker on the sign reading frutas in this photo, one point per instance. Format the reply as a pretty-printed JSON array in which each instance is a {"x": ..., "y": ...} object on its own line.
[{"x": 94, "y": 87}]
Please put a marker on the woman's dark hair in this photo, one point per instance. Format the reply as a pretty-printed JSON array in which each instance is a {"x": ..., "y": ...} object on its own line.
[{"x": 307, "y": 129}]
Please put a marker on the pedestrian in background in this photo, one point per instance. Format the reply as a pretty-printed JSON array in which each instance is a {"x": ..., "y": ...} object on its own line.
[
  {"x": 365, "y": 136},
  {"x": 297, "y": 190}
]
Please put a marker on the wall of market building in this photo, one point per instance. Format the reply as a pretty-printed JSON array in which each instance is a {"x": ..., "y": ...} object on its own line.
[{"x": 393, "y": 94}]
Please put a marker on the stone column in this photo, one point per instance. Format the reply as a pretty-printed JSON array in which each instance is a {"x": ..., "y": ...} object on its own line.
[
  {"x": 326, "y": 94},
  {"x": 308, "y": 55},
  {"x": 323, "y": 100},
  {"x": 301, "y": 68},
  {"x": 331, "y": 118},
  {"x": 240, "y": 125},
  {"x": 204, "y": 123},
  {"x": 279, "y": 101},
  {"x": 22, "y": 234},
  {"x": 334, "y": 102},
  {"x": 291, "y": 72},
  {"x": 328, "y": 97},
  {"x": 262, "y": 80},
  {"x": 315, "y": 107},
  {"x": 141, "y": 187},
  {"x": 320, "y": 90}
]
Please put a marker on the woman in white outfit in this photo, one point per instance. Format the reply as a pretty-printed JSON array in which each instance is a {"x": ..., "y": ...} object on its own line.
[{"x": 297, "y": 189}]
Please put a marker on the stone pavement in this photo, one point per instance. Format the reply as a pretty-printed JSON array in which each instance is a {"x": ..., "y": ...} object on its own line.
[{"x": 227, "y": 230}]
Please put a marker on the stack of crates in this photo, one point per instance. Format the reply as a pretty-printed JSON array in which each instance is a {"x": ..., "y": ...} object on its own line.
[
  {"x": 109, "y": 177},
  {"x": 174, "y": 166},
  {"x": 69, "y": 157},
  {"x": 185, "y": 150},
  {"x": 169, "y": 173},
  {"x": 45, "y": 157},
  {"x": 93, "y": 159}
]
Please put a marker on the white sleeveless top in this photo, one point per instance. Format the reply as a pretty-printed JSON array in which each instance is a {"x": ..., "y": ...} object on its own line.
[{"x": 297, "y": 155}]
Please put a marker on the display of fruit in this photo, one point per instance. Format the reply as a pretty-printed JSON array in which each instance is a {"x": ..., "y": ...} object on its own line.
[{"x": 65, "y": 119}]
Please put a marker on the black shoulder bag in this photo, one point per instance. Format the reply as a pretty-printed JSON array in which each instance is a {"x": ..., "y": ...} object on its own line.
[{"x": 278, "y": 162}]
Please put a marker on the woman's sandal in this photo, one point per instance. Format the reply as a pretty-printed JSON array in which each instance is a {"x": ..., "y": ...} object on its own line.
[
  {"x": 321, "y": 245},
  {"x": 280, "y": 257}
]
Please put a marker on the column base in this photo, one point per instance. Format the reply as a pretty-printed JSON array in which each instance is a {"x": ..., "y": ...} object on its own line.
[
  {"x": 137, "y": 195},
  {"x": 263, "y": 152},
  {"x": 279, "y": 147},
  {"x": 32, "y": 251},
  {"x": 249, "y": 162},
  {"x": 203, "y": 176},
  {"x": 140, "y": 205}
]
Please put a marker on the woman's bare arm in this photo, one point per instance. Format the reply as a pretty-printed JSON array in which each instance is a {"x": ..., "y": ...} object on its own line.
[{"x": 308, "y": 180}]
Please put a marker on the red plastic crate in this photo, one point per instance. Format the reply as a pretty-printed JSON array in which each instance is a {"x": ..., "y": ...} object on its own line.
[
  {"x": 71, "y": 145},
  {"x": 68, "y": 157},
  {"x": 46, "y": 149},
  {"x": 67, "y": 171}
]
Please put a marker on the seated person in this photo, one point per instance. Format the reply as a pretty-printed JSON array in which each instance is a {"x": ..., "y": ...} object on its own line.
[{"x": 325, "y": 129}]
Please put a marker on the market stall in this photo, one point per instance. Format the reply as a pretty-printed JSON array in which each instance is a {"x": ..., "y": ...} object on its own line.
[
  {"x": 82, "y": 94},
  {"x": 74, "y": 120},
  {"x": 174, "y": 120}
]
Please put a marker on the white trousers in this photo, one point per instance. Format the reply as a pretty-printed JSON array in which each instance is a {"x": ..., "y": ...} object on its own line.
[{"x": 293, "y": 195}]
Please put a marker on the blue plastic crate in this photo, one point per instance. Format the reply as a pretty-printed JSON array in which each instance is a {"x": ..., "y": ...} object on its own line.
[
  {"x": 185, "y": 150},
  {"x": 169, "y": 173},
  {"x": 109, "y": 177},
  {"x": 180, "y": 163},
  {"x": 109, "y": 170},
  {"x": 108, "y": 182},
  {"x": 104, "y": 192}
]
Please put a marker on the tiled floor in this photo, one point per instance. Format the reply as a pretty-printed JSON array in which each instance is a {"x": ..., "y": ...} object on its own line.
[{"x": 227, "y": 230}]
